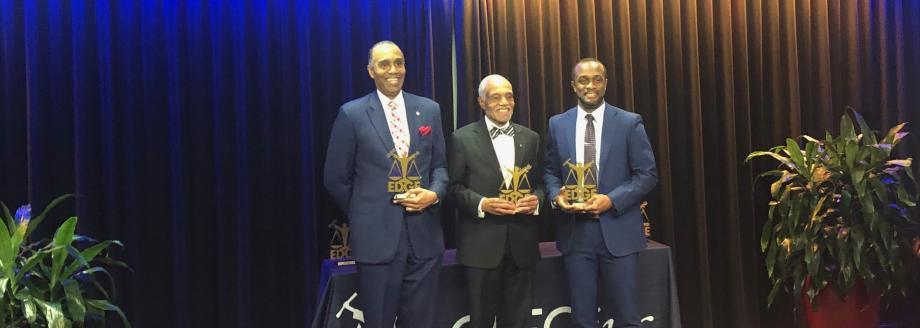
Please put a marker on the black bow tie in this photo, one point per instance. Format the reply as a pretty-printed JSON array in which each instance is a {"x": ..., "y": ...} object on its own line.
[{"x": 495, "y": 132}]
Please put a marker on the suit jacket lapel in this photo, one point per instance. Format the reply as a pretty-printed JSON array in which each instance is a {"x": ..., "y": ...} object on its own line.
[
  {"x": 484, "y": 142},
  {"x": 413, "y": 118},
  {"x": 518, "y": 146},
  {"x": 607, "y": 130},
  {"x": 571, "y": 118},
  {"x": 379, "y": 121}
]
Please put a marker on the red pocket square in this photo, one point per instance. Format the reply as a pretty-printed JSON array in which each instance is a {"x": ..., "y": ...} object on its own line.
[{"x": 424, "y": 130}]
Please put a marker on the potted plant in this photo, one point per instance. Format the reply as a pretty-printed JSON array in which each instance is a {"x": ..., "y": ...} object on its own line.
[
  {"x": 53, "y": 282},
  {"x": 837, "y": 221}
]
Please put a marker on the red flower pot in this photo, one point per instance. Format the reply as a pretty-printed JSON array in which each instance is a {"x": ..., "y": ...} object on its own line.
[{"x": 858, "y": 309}]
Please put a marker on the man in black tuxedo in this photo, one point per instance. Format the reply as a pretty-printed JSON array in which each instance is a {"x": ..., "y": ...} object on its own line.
[{"x": 497, "y": 203}]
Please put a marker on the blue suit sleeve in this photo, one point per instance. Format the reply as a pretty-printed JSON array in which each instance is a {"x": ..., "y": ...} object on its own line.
[
  {"x": 439, "y": 179},
  {"x": 643, "y": 173},
  {"x": 339, "y": 169},
  {"x": 551, "y": 166}
]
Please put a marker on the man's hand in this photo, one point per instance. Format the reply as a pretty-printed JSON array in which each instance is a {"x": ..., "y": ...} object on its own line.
[
  {"x": 498, "y": 206},
  {"x": 563, "y": 203},
  {"x": 527, "y": 205},
  {"x": 597, "y": 204},
  {"x": 417, "y": 199}
]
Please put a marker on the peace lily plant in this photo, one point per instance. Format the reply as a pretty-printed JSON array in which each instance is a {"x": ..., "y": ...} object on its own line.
[
  {"x": 840, "y": 211},
  {"x": 53, "y": 283}
]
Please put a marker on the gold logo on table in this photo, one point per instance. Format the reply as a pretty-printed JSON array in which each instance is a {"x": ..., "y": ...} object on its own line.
[
  {"x": 520, "y": 185},
  {"x": 404, "y": 173},
  {"x": 580, "y": 183}
]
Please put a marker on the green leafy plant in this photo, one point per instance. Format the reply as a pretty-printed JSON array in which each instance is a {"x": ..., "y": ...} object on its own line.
[
  {"x": 840, "y": 211},
  {"x": 53, "y": 283}
]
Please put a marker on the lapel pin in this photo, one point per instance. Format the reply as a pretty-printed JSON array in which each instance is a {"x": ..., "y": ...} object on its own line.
[{"x": 417, "y": 113}]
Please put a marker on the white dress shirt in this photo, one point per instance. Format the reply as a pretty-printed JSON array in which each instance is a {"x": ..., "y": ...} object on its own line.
[
  {"x": 400, "y": 112},
  {"x": 503, "y": 145},
  {"x": 580, "y": 125}
]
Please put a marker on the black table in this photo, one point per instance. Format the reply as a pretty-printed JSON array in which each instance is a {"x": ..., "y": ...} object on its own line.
[{"x": 657, "y": 292}]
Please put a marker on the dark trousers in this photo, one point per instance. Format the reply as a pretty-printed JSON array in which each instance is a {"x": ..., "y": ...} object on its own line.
[
  {"x": 505, "y": 292},
  {"x": 405, "y": 287},
  {"x": 618, "y": 276}
]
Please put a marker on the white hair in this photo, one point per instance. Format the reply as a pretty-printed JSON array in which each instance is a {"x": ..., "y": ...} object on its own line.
[{"x": 485, "y": 81}]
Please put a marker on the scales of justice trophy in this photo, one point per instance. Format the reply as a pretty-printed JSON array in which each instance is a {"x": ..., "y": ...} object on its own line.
[
  {"x": 580, "y": 183},
  {"x": 519, "y": 186},
  {"x": 404, "y": 174}
]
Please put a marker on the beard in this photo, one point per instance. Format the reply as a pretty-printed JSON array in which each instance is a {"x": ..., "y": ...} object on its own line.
[{"x": 590, "y": 106}]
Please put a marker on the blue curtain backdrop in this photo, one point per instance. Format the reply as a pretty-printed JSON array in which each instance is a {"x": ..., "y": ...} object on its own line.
[{"x": 190, "y": 130}]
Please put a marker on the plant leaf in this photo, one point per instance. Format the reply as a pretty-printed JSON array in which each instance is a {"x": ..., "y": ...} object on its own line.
[
  {"x": 782, "y": 159},
  {"x": 892, "y": 134},
  {"x": 850, "y": 152},
  {"x": 108, "y": 275},
  {"x": 810, "y": 139},
  {"x": 53, "y": 314},
  {"x": 8, "y": 218},
  {"x": 78, "y": 260},
  {"x": 817, "y": 208},
  {"x": 18, "y": 236},
  {"x": 773, "y": 292},
  {"x": 89, "y": 254},
  {"x": 900, "y": 162},
  {"x": 777, "y": 185},
  {"x": 30, "y": 263},
  {"x": 74, "y": 300},
  {"x": 6, "y": 253},
  {"x": 867, "y": 133},
  {"x": 771, "y": 258},
  {"x": 765, "y": 237},
  {"x": 795, "y": 154},
  {"x": 41, "y": 217},
  {"x": 29, "y": 310},
  {"x": 904, "y": 197},
  {"x": 62, "y": 238},
  {"x": 107, "y": 306}
]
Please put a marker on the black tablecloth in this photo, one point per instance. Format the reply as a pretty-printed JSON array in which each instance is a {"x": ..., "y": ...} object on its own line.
[{"x": 657, "y": 299}]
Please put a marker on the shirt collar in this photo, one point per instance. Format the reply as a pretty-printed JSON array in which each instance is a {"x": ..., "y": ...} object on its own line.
[
  {"x": 384, "y": 100},
  {"x": 597, "y": 113},
  {"x": 490, "y": 124}
]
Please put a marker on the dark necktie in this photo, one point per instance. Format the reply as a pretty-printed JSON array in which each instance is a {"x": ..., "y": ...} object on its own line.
[
  {"x": 590, "y": 144},
  {"x": 495, "y": 131}
]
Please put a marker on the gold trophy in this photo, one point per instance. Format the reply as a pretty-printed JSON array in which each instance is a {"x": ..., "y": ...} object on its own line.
[
  {"x": 519, "y": 186},
  {"x": 403, "y": 175},
  {"x": 339, "y": 246},
  {"x": 580, "y": 183}
]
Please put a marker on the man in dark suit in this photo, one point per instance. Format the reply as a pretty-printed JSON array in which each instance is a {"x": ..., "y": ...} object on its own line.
[
  {"x": 497, "y": 230},
  {"x": 605, "y": 230},
  {"x": 386, "y": 168}
]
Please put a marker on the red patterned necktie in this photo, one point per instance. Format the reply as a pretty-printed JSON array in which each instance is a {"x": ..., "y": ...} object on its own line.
[{"x": 397, "y": 132}]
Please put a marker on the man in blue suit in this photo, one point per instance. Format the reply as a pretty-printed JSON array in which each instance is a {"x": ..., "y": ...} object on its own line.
[
  {"x": 386, "y": 168},
  {"x": 603, "y": 234}
]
